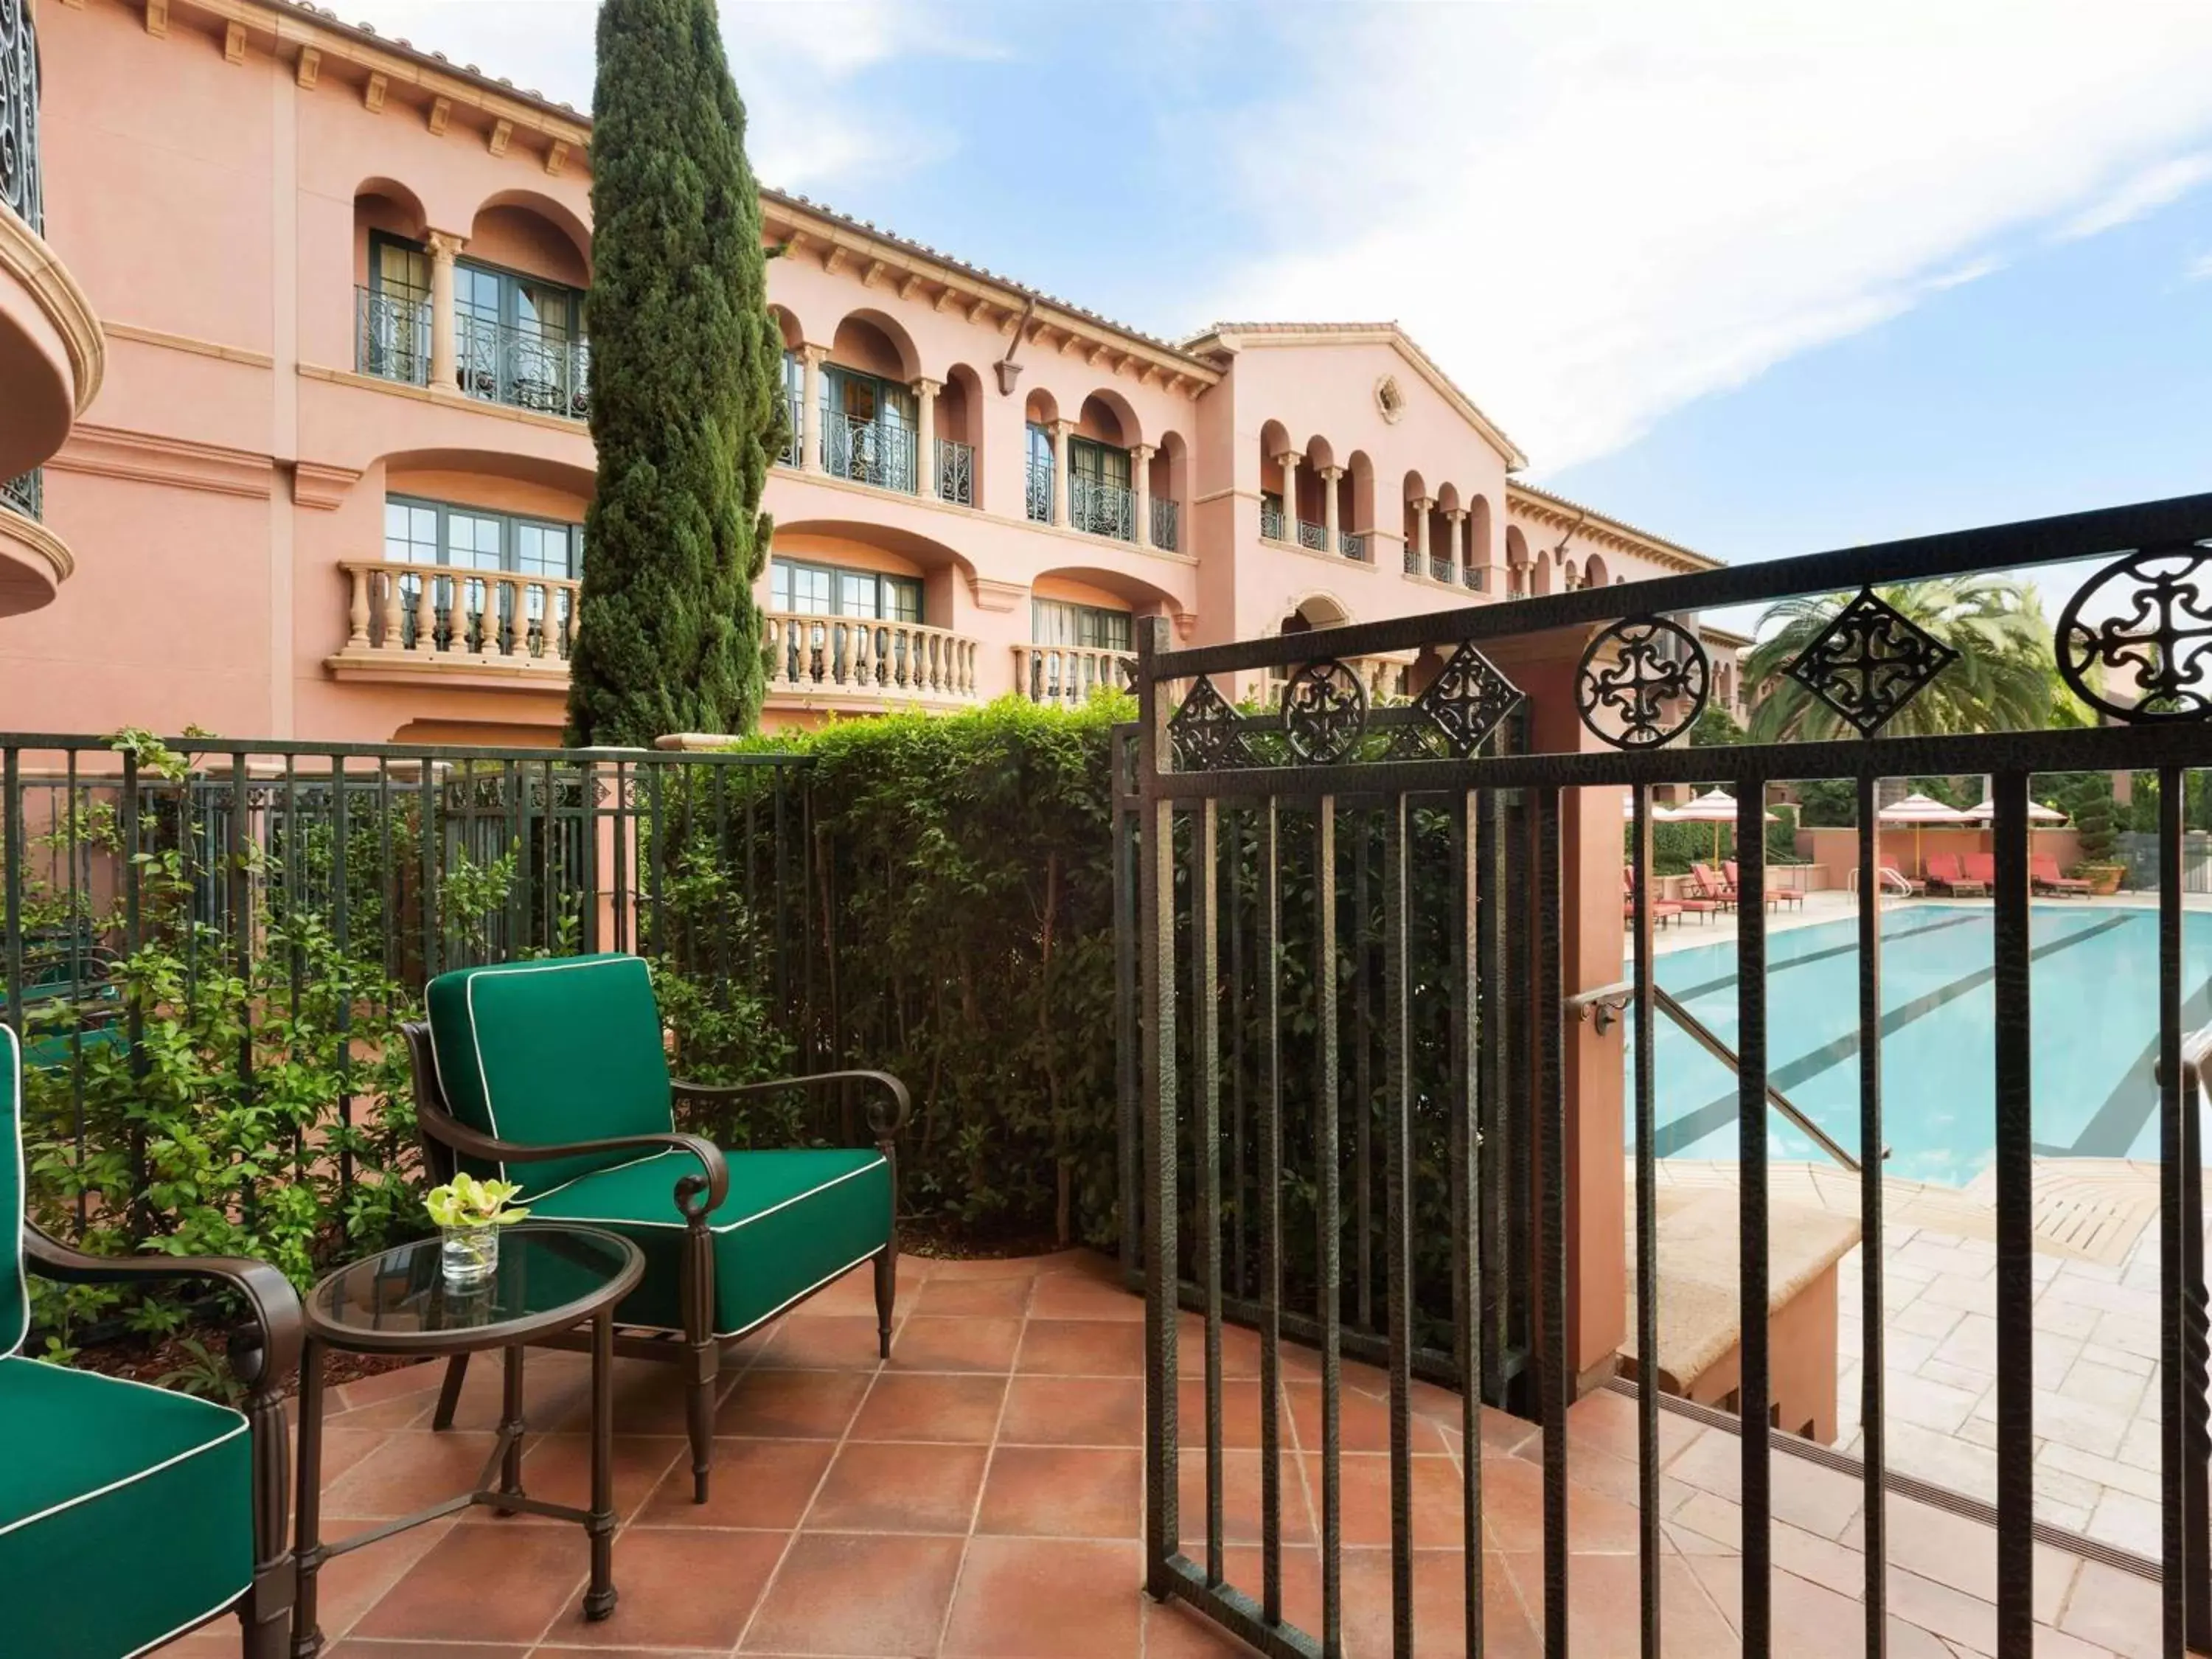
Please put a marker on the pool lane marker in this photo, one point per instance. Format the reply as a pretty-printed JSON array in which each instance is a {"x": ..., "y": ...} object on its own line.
[
  {"x": 1686, "y": 1131},
  {"x": 2134, "y": 1098},
  {"x": 1957, "y": 920}
]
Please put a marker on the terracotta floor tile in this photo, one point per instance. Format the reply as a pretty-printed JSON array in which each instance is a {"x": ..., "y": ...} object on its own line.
[
  {"x": 557, "y": 1467},
  {"x": 1080, "y": 1296},
  {"x": 1362, "y": 1423},
  {"x": 1082, "y": 1348},
  {"x": 1009, "y": 1266},
  {"x": 1062, "y": 1491},
  {"x": 679, "y": 1589},
  {"x": 413, "y": 1470},
  {"x": 343, "y": 1447},
  {"x": 1074, "y": 1411},
  {"x": 1606, "y": 1610},
  {"x": 855, "y": 1293},
  {"x": 1036, "y": 1598},
  {"x": 754, "y": 1483},
  {"x": 365, "y": 1650},
  {"x": 840, "y": 1592},
  {"x": 981, "y": 1298},
  {"x": 396, "y": 1383},
  {"x": 1302, "y": 1583},
  {"x": 1240, "y": 1499},
  {"x": 1439, "y": 1608},
  {"x": 899, "y": 1488},
  {"x": 791, "y": 1405},
  {"x": 1173, "y": 1631},
  {"x": 350, "y": 1584},
  {"x": 651, "y": 1397},
  {"x": 1240, "y": 1414},
  {"x": 926, "y": 1343},
  {"x": 926, "y": 1406},
  {"x": 1240, "y": 1348},
  {"x": 1438, "y": 1503},
  {"x": 823, "y": 1341},
  {"x": 485, "y": 1584},
  {"x": 1513, "y": 1511}
]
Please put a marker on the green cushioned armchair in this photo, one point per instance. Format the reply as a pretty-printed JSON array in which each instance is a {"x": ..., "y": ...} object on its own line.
[
  {"x": 129, "y": 1513},
  {"x": 552, "y": 1074}
]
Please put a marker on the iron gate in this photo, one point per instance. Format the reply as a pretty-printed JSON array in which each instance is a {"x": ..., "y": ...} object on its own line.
[{"x": 1347, "y": 923}]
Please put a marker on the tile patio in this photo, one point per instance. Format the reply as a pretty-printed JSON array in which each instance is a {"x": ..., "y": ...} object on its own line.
[{"x": 981, "y": 1496}]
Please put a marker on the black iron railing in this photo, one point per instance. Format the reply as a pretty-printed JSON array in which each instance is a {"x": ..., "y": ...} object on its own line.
[
  {"x": 1344, "y": 941},
  {"x": 21, "y": 185},
  {"x": 25, "y": 494}
]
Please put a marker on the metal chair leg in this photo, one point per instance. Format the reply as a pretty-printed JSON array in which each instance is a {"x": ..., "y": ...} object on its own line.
[
  {"x": 449, "y": 1391},
  {"x": 886, "y": 1294}
]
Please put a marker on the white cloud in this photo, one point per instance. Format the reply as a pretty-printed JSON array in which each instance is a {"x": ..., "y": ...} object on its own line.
[
  {"x": 2140, "y": 193},
  {"x": 1594, "y": 213},
  {"x": 809, "y": 126},
  {"x": 2198, "y": 268}
]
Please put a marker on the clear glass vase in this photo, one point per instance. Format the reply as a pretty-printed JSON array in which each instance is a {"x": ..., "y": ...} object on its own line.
[{"x": 471, "y": 1255}]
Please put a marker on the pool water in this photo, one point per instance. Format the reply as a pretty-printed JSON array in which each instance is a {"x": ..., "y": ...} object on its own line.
[{"x": 2095, "y": 1013}]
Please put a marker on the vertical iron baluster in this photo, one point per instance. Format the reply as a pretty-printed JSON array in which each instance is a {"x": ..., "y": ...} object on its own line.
[
  {"x": 241, "y": 911},
  {"x": 431, "y": 852},
  {"x": 1547, "y": 1006},
  {"x": 1752, "y": 1217},
  {"x": 1156, "y": 901},
  {"x": 807, "y": 952},
  {"x": 2196, "y": 1409},
  {"x": 1647, "y": 1223},
  {"x": 342, "y": 943},
  {"x": 551, "y": 872},
  {"x": 588, "y": 818},
  {"x": 657, "y": 828},
  {"x": 80, "y": 925},
  {"x": 387, "y": 872},
  {"x": 1362, "y": 1083},
  {"x": 1491, "y": 1111},
  {"x": 1398, "y": 1210},
  {"x": 1873, "y": 1430},
  {"x": 1128, "y": 923},
  {"x": 2173, "y": 1370},
  {"x": 518, "y": 888},
  {"x": 752, "y": 940},
  {"x": 781, "y": 879},
  {"x": 1465, "y": 1106},
  {"x": 1239, "y": 1188},
  {"x": 625, "y": 937},
  {"x": 11, "y": 783},
  {"x": 720, "y": 777},
  {"x": 290, "y": 875},
  {"x": 1329, "y": 1224},
  {"x": 1268, "y": 906},
  {"x": 2016, "y": 1220},
  {"x": 1205, "y": 1099}
]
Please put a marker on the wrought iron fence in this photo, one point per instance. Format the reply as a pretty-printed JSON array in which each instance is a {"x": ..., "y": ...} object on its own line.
[
  {"x": 314, "y": 889},
  {"x": 22, "y": 186},
  {"x": 1167, "y": 524},
  {"x": 523, "y": 368},
  {"x": 955, "y": 472},
  {"x": 1102, "y": 508},
  {"x": 794, "y": 434},
  {"x": 391, "y": 335},
  {"x": 25, "y": 494},
  {"x": 1345, "y": 949},
  {"x": 869, "y": 452}
]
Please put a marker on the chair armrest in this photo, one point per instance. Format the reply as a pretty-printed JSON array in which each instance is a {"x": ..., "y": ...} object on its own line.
[
  {"x": 885, "y": 1116},
  {"x": 262, "y": 1364},
  {"x": 713, "y": 1181}
]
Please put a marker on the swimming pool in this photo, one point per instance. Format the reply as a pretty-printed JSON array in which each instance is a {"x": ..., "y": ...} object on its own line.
[{"x": 2095, "y": 979}]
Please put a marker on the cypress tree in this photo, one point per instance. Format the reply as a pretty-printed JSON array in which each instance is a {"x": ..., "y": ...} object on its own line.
[{"x": 684, "y": 377}]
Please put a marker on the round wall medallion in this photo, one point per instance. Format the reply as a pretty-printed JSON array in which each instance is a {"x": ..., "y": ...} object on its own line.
[{"x": 1389, "y": 398}]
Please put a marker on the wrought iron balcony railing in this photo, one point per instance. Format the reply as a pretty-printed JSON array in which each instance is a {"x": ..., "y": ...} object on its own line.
[
  {"x": 1313, "y": 537},
  {"x": 26, "y": 496},
  {"x": 1352, "y": 546},
  {"x": 1040, "y": 491},
  {"x": 795, "y": 437},
  {"x": 523, "y": 368},
  {"x": 392, "y": 336},
  {"x": 1101, "y": 509},
  {"x": 1167, "y": 526},
  {"x": 869, "y": 452},
  {"x": 21, "y": 189},
  {"x": 465, "y": 619},
  {"x": 955, "y": 472},
  {"x": 1068, "y": 674},
  {"x": 861, "y": 660},
  {"x": 1471, "y": 576},
  {"x": 1413, "y": 559},
  {"x": 1270, "y": 521},
  {"x": 1440, "y": 569}
]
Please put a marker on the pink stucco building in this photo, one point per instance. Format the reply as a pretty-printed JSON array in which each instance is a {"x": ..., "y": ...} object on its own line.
[{"x": 331, "y": 480}]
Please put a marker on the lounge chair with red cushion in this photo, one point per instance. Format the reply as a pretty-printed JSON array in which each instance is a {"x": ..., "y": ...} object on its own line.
[
  {"x": 2043, "y": 875},
  {"x": 1709, "y": 886},
  {"x": 1945, "y": 876},
  {"x": 1774, "y": 895},
  {"x": 1661, "y": 910},
  {"x": 1982, "y": 868}
]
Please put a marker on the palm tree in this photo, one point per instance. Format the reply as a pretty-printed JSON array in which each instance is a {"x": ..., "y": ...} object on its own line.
[{"x": 2004, "y": 678}]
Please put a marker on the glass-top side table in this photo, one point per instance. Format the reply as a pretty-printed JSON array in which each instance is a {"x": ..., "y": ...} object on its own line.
[{"x": 551, "y": 1279}]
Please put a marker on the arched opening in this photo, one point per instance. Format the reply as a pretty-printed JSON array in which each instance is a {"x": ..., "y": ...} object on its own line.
[
  {"x": 1082, "y": 632},
  {"x": 1517, "y": 561},
  {"x": 1307, "y": 515},
  {"x": 853, "y": 604},
  {"x": 1444, "y": 529},
  {"x": 795, "y": 384},
  {"x": 1480, "y": 554},
  {"x": 1540, "y": 573},
  {"x": 1102, "y": 491},
  {"x": 1594, "y": 571},
  {"x": 391, "y": 284},
  {"x": 1040, "y": 413},
  {"x": 870, "y": 412},
  {"x": 519, "y": 299},
  {"x": 958, "y": 438},
  {"x": 1169, "y": 487},
  {"x": 1356, "y": 505},
  {"x": 1275, "y": 526},
  {"x": 1415, "y": 522}
]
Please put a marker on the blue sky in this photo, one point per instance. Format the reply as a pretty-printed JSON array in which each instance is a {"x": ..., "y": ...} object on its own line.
[{"x": 1766, "y": 280}]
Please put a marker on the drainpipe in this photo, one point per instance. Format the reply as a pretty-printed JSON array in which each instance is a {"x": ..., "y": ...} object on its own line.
[{"x": 1008, "y": 371}]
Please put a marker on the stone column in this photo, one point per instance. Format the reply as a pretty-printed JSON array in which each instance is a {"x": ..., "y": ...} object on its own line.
[
  {"x": 1289, "y": 458},
  {"x": 1421, "y": 506},
  {"x": 810, "y": 447},
  {"x": 445, "y": 339},
  {"x": 1062, "y": 432},
  {"x": 1330, "y": 475},
  {"x": 1140, "y": 486},
  {"x": 1457, "y": 516},
  {"x": 925, "y": 436}
]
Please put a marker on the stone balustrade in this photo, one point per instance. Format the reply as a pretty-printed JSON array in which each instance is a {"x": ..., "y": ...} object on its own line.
[
  {"x": 868, "y": 662},
  {"x": 1068, "y": 674},
  {"x": 413, "y": 619}
]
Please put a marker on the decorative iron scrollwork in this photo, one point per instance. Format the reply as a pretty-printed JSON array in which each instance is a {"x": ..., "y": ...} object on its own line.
[
  {"x": 1869, "y": 662},
  {"x": 2158, "y": 633},
  {"x": 20, "y": 187},
  {"x": 1204, "y": 732},
  {"x": 1324, "y": 712},
  {"x": 1463, "y": 705},
  {"x": 1641, "y": 683}
]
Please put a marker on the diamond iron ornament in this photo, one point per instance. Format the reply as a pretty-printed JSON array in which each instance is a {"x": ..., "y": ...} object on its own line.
[
  {"x": 1462, "y": 706},
  {"x": 1324, "y": 712},
  {"x": 2155, "y": 636},
  {"x": 1869, "y": 662},
  {"x": 1642, "y": 682},
  {"x": 1205, "y": 733}
]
